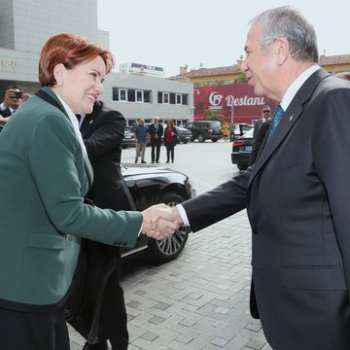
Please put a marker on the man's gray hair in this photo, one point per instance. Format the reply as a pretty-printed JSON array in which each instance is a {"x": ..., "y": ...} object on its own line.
[{"x": 287, "y": 22}]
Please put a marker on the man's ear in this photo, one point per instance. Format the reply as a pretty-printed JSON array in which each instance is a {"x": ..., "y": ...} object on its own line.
[{"x": 281, "y": 47}]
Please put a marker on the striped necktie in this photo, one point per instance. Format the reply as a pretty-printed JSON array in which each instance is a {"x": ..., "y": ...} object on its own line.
[{"x": 278, "y": 115}]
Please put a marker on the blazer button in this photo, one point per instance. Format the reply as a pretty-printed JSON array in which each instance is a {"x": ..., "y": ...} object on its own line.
[
  {"x": 254, "y": 231},
  {"x": 117, "y": 243},
  {"x": 125, "y": 243}
]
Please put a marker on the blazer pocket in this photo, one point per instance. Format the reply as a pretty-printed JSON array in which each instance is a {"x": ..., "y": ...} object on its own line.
[
  {"x": 327, "y": 278},
  {"x": 45, "y": 241}
]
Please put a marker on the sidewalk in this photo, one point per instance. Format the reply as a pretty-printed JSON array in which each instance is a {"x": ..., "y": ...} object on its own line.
[{"x": 198, "y": 301}]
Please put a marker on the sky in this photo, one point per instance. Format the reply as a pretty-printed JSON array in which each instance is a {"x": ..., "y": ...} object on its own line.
[{"x": 199, "y": 33}]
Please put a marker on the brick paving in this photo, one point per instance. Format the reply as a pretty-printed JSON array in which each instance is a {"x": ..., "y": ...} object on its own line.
[{"x": 200, "y": 300}]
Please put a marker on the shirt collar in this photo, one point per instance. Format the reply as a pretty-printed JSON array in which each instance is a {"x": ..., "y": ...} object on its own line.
[
  {"x": 296, "y": 85},
  {"x": 74, "y": 121}
]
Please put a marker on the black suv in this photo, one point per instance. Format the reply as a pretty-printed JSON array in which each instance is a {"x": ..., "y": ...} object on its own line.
[{"x": 205, "y": 130}]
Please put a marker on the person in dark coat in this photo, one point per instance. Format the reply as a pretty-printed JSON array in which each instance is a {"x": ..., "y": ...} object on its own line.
[
  {"x": 155, "y": 131},
  {"x": 296, "y": 193},
  {"x": 102, "y": 313}
]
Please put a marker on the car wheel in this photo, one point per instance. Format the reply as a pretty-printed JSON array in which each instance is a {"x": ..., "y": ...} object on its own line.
[
  {"x": 185, "y": 141},
  {"x": 201, "y": 138},
  {"x": 214, "y": 140},
  {"x": 169, "y": 248}
]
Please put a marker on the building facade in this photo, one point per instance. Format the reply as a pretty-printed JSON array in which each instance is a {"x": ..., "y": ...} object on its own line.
[
  {"x": 24, "y": 28},
  {"x": 224, "y": 90}
]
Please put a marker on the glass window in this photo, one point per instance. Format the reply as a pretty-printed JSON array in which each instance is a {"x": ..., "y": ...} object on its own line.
[
  {"x": 139, "y": 96},
  {"x": 122, "y": 95},
  {"x": 179, "y": 99},
  {"x": 166, "y": 98}
]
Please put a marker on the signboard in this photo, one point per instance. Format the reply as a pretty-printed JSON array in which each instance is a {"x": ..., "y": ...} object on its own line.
[
  {"x": 142, "y": 69},
  {"x": 236, "y": 102}
]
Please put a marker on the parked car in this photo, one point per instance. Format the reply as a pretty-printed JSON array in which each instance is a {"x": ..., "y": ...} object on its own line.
[
  {"x": 129, "y": 139},
  {"x": 241, "y": 150},
  {"x": 184, "y": 134},
  {"x": 205, "y": 130},
  {"x": 151, "y": 185},
  {"x": 238, "y": 130}
]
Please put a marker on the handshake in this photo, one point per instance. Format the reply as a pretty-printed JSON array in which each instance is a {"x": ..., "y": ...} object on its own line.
[{"x": 160, "y": 221}]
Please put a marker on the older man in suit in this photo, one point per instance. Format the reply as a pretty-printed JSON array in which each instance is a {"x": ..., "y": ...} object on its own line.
[
  {"x": 155, "y": 131},
  {"x": 297, "y": 193},
  {"x": 102, "y": 312}
]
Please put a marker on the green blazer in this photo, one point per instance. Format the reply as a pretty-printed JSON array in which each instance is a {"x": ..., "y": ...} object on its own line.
[{"x": 44, "y": 180}]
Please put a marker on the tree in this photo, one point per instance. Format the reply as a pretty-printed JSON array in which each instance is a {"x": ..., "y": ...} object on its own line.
[{"x": 213, "y": 114}]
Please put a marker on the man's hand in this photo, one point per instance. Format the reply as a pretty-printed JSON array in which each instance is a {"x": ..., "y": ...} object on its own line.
[{"x": 159, "y": 221}]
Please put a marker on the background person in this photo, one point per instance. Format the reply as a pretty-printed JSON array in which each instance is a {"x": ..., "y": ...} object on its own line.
[
  {"x": 297, "y": 193},
  {"x": 260, "y": 129},
  {"x": 170, "y": 136},
  {"x": 102, "y": 313},
  {"x": 14, "y": 97},
  {"x": 156, "y": 134},
  {"x": 45, "y": 175},
  {"x": 141, "y": 138},
  {"x": 265, "y": 115}
]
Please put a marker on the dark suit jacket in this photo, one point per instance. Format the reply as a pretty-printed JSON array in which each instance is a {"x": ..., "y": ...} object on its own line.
[
  {"x": 103, "y": 132},
  {"x": 257, "y": 125},
  {"x": 258, "y": 139},
  {"x": 156, "y": 135},
  {"x": 6, "y": 112},
  {"x": 298, "y": 200}
]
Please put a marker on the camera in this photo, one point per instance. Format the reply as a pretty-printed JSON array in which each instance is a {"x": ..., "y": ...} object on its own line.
[{"x": 18, "y": 94}]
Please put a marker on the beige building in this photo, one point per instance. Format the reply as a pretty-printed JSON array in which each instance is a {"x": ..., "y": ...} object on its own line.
[{"x": 233, "y": 74}]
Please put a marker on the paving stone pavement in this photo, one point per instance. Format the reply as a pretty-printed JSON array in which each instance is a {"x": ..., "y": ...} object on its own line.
[{"x": 200, "y": 301}]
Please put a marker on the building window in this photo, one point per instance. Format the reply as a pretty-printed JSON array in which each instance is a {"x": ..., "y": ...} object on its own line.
[
  {"x": 165, "y": 99},
  {"x": 122, "y": 95},
  {"x": 173, "y": 98},
  {"x": 179, "y": 99},
  {"x": 131, "y": 95},
  {"x": 139, "y": 96}
]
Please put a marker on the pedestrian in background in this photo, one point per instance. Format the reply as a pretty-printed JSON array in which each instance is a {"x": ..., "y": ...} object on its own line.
[
  {"x": 14, "y": 97},
  {"x": 297, "y": 193},
  {"x": 260, "y": 130},
  {"x": 170, "y": 137},
  {"x": 141, "y": 138},
  {"x": 45, "y": 176},
  {"x": 156, "y": 135}
]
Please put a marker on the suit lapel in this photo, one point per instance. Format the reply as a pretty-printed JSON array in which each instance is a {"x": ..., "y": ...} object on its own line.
[
  {"x": 46, "y": 94},
  {"x": 90, "y": 122},
  {"x": 292, "y": 114}
]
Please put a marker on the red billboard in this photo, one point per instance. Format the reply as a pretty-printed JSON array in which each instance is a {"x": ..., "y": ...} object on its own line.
[{"x": 236, "y": 102}]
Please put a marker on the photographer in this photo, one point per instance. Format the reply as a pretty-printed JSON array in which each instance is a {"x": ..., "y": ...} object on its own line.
[{"x": 13, "y": 100}]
